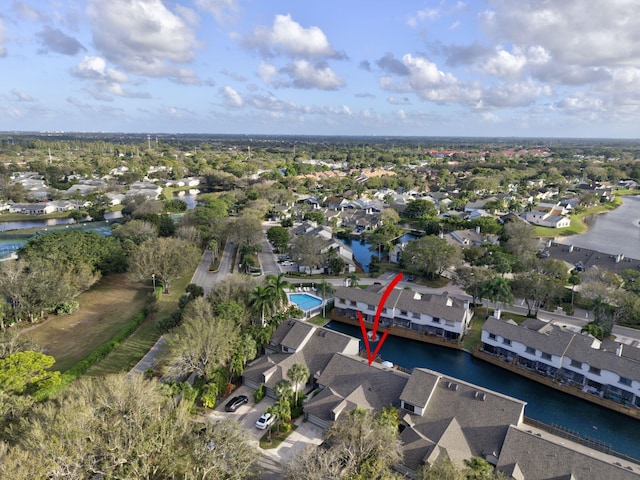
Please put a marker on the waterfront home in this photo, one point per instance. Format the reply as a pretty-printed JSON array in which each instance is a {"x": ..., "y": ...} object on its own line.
[
  {"x": 548, "y": 215},
  {"x": 610, "y": 371},
  {"x": 329, "y": 244},
  {"x": 441, "y": 416},
  {"x": 430, "y": 314},
  {"x": 587, "y": 258},
  {"x": 41, "y": 208},
  {"x": 294, "y": 342}
]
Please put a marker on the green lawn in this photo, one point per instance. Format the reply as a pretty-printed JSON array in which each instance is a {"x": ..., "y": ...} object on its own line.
[
  {"x": 577, "y": 221},
  {"x": 104, "y": 309},
  {"x": 319, "y": 320},
  {"x": 125, "y": 357}
]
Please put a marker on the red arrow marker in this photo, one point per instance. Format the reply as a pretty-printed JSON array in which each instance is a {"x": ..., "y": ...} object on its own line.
[{"x": 374, "y": 333}]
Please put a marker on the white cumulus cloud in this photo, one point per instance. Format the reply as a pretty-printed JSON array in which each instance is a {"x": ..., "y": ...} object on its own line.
[
  {"x": 288, "y": 37},
  {"x": 143, "y": 37},
  {"x": 231, "y": 97},
  {"x": 304, "y": 74}
]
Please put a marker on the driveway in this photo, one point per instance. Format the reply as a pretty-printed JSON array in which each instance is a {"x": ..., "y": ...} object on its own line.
[{"x": 247, "y": 414}]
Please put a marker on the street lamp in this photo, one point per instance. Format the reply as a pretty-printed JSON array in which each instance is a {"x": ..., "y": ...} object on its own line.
[{"x": 153, "y": 277}]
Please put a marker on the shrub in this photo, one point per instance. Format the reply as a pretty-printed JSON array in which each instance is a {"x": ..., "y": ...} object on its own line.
[
  {"x": 209, "y": 395},
  {"x": 259, "y": 394},
  {"x": 66, "y": 308}
]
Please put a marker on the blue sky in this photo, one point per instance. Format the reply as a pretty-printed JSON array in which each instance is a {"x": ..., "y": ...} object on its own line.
[{"x": 566, "y": 68}]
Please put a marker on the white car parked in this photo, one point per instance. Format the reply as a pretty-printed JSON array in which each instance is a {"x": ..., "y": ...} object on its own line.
[{"x": 265, "y": 420}]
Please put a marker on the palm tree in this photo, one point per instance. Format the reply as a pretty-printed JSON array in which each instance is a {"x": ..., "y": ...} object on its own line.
[
  {"x": 354, "y": 280},
  {"x": 263, "y": 302},
  {"x": 283, "y": 389},
  {"x": 299, "y": 375},
  {"x": 325, "y": 289},
  {"x": 277, "y": 287}
]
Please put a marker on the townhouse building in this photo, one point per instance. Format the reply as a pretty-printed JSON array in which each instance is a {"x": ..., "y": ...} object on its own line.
[
  {"x": 440, "y": 416},
  {"x": 610, "y": 370},
  {"x": 431, "y": 314}
]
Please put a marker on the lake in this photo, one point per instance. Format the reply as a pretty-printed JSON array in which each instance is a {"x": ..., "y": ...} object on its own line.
[{"x": 613, "y": 232}]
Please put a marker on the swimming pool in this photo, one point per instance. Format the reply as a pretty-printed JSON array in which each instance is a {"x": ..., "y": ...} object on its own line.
[{"x": 305, "y": 301}]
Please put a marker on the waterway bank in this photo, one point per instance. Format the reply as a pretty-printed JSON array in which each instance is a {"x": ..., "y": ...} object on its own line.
[
  {"x": 545, "y": 404},
  {"x": 476, "y": 352},
  {"x": 612, "y": 232}
]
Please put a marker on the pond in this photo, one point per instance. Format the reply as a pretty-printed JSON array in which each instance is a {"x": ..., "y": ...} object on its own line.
[{"x": 362, "y": 250}]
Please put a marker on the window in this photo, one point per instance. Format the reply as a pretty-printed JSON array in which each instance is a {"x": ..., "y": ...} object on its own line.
[
  {"x": 415, "y": 315},
  {"x": 594, "y": 370},
  {"x": 384, "y": 309},
  {"x": 353, "y": 303},
  {"x": 506, "y": 341},
  {"x": 576, "y": 364},
  {"x": 403, "y": 312},
  {"x": 408, "y": 406},
  {"x": 531, "y": 351},
  {"x": 492, "y": 336},
  {"x": 371, "y": 307},
  {"x": 625, "y": 381},
  {"x": 436, "y": 320},
  {"x": 545, "y": 356},
  {"x": 342, "y": 300}
]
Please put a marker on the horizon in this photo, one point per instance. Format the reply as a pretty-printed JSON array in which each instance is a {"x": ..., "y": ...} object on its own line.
[{"x": 474, "y": 69}]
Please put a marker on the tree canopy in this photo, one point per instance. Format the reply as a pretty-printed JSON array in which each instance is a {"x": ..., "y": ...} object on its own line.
[
  {"x": 166, "y": 258},
  {"x": 429, "y": 255}
]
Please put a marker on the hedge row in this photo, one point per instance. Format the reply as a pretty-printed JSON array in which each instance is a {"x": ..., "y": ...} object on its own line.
[{"x": 98, "y": 354}]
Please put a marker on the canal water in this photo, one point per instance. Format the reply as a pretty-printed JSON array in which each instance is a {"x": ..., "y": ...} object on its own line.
[{"x": 545, "y": 404}]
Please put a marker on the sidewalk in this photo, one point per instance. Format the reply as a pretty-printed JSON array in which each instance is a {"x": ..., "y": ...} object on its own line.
[{"x": 306, "y": 434}]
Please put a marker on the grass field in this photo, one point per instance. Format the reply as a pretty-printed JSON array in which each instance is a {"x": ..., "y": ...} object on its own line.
[
  {"x": 125, "y": 357},
  {"x": 103, "y": 310}
]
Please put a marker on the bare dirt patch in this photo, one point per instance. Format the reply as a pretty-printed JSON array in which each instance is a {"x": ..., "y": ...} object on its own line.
[{"x": 103, "y": 310}]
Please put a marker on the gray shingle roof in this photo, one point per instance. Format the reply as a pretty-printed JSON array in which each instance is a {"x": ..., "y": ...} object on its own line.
[
  {"x": 546, "y": 457},
  {"x": 604, "y": 360},
  {"x": 419, "y": 387},
  {"x": 483, "y": 415},
  {"x": 297, "y": 335},
  {"x": 554, "y": 341},
  {"x": 441, "y": 305},
  {"x": 560, "y": 342}
]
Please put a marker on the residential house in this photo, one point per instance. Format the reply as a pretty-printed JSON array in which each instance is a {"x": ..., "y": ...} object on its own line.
[
  {"x": 40, "y": 208},
  {"x": 566, "y": 356},
  {"x": 293, "y": 342},
  {"x": 470, "y": 237},
  {"x": 432, "y": 314},
  {"x": 33, "y": 183},
  {"x": 360, "y": 220},
  {"x": 548, "y": 215},
  {"x": 86, "y": 186},
  {"x": 147, "y": 189},
  {"x": 441, "y": 416},
  {"x": 331, "y": 244}
]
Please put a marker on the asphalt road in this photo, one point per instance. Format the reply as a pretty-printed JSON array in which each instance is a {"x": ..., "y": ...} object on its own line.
[
  {"x": 268, "y": 260},
  {"x": 203, "y": 277}
]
